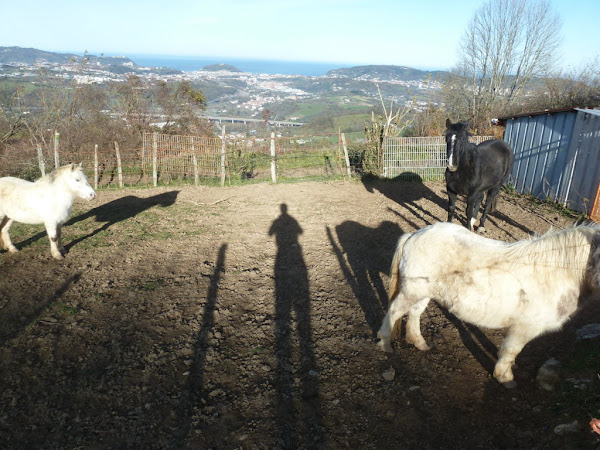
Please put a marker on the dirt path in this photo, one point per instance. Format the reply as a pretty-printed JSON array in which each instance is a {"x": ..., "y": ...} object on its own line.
[{"x": 245, "y": 317}]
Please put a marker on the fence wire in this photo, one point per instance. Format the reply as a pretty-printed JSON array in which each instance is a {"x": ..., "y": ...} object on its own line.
[{"x": 168, "y": 159}]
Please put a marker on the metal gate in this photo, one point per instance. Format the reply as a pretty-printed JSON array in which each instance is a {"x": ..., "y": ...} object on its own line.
[{"x": 417, "y": 158}]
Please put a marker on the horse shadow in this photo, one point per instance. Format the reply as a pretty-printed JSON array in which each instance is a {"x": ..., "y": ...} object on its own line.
[
  {"x": 406, "y": 190},
  {"x": 475, "y": 341},
  {"x": 363, "y": 254},
  {"x": 119, "y": 210}
]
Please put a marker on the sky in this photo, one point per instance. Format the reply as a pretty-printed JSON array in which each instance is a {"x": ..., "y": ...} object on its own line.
[{"x": 423, "y": 34}]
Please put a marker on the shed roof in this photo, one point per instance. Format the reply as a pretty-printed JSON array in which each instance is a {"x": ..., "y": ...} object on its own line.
[{"x": 590, "y": 110}]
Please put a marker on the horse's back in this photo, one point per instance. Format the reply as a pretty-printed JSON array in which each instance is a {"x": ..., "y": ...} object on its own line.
[
  {"x": 496, "y": 154},
  {"x": 21, "y": 201},
  {"x": 11, "y": 185},
  {"x": 448, "y": 245}
]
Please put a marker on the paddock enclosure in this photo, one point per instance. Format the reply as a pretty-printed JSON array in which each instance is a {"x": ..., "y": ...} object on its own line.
[{"x": 245, "y": 317}]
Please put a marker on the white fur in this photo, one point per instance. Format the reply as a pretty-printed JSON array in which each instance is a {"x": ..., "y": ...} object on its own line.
[
  {"x": 48, "y": 200},
  {"x": 530, "y": 286},
  {"x": 451, "y": 163}
]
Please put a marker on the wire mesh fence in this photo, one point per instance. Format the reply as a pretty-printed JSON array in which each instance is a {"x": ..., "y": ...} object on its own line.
[
  {"x": 417, "y": 158},
  {"x": 171, "y": 159}
]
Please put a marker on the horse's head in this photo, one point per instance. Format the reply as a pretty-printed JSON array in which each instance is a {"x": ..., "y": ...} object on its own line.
[
  {"x": 456, "y": 134},
  {"x": 77, "y": 182}
]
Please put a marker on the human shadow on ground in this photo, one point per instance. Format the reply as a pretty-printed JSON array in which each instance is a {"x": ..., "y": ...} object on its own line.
[
  {"x": 363, "y": 254},
  {"x": 119, "y": 210},
  {"x": 297, "y": 426},
  {"x": 193, "y": 395}
]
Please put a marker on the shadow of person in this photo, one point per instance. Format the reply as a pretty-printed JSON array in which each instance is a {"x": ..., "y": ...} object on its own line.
[
  {"x": 368, "y": 252},
  {"x": 119, "y": 210},
  {"x": 202, "y": 344},
  {"x": 292, "y": 296},
  {"x": 406, "y": 190}
]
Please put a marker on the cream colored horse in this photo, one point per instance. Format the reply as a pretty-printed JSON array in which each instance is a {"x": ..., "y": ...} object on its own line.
[
  {"x": 48, "y": 200},
  {"x": 530, "y": 287}
]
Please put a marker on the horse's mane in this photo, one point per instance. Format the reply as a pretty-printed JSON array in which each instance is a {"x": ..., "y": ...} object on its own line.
[
  {"x": 55, "y": 174},
  {"x": 557, "y": 250}
]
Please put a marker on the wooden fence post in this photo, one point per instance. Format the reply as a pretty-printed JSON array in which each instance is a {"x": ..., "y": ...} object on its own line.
[
  {"x": 273, "y": 156},
  {"x": 346, "y": 157},
  {"x": 223, "y": 150},
  {"x": 155, "y": 158},
  {"x": 195, "y": 162},
  {"x": 96, "y": 166},
  {"x": 41, "y": 161},
  {"x": 56, "y": 158},
  {"x": 119, "y": 168}
]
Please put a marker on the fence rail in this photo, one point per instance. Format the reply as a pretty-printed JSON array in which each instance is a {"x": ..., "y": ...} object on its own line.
[{"x": 421, "y": 158}]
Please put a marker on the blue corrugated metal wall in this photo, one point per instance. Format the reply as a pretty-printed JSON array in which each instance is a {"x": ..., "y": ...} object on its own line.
[{"x": 557, "y": 156}]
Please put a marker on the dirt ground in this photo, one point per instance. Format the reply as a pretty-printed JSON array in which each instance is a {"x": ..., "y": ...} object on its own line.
[{"x": 245, "y": 317}]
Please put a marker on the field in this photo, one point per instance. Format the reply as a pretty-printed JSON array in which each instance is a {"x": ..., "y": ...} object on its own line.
[{"x": 245, "y": 317}]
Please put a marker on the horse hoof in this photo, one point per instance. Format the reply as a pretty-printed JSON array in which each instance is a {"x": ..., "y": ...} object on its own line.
[
  {"x": 481, "y": 230},
  {"x": 423, "y": 346},
  {"x": 385, "y": 346},
  {"x": 13, "y": 250},
  {"x": 58, "y": 256}
]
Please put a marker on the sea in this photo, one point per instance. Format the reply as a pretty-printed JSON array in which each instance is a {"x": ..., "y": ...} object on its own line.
[{"x": 192, "y": 63}]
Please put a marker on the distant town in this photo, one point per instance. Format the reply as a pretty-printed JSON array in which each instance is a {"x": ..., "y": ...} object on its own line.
[{"x": 232, "y": 93}]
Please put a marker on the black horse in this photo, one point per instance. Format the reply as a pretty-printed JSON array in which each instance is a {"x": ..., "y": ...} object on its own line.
[{"x": 473, "y": 170}]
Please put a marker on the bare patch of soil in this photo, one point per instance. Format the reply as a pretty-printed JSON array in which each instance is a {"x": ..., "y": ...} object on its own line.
[{"x": 245, "y": 317}]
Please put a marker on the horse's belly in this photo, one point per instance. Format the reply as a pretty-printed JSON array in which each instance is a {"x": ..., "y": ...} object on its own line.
[{"x": 486, "y": 307}]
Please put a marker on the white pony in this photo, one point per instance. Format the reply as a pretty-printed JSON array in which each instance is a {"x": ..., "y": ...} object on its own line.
[
  {"x": 530, "y": 286},
  {"x": 48, "y": 200}
]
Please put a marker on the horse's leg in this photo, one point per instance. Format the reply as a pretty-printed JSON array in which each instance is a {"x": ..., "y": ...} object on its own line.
[
  {"x": 451, "y": 205},
  {"x": 413, "y": 325},
  {"x": 397, "y": 309},
  {"x": 473, "y": 205},
  {"x": 53, "y": 231},
  {"x": 516, "y": 338},
  {"x": 5, "y": 225},
  {"x": 490, "y": 201},
  {"x": 61, "y": 249}
]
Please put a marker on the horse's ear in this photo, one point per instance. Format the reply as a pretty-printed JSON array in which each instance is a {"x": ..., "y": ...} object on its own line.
[
  {"x": 467, "y": 123},
  {"x": 73, "y": 167},
  {"x": 448, "y": 123}
]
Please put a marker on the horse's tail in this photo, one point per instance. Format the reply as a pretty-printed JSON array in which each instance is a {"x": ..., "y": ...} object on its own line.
[{"x": 394, "y": 284}]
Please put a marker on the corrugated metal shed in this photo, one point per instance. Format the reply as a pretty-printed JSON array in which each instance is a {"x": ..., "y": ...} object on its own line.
[{"x": 557, "y": 155}]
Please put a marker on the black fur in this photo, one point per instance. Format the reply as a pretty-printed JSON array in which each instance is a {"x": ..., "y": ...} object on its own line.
[{"x": 479, "y": 169}]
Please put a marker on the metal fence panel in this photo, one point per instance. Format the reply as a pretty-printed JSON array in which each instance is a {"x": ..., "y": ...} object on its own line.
[
  {"x": 417, "y": 158},
  {"x": 557, "y": 156}
]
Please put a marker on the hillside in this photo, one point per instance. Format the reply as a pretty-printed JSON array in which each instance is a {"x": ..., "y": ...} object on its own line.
[
  {"x": 386, "y": 73},
  {"x": 113, "y": 64}
]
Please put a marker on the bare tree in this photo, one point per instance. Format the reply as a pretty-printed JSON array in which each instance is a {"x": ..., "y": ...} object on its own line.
[{"x": 506, "y": 45}]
